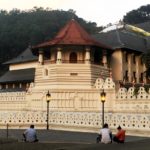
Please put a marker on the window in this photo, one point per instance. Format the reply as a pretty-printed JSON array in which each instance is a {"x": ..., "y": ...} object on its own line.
[
  {"x": 126, "y": 75},
  {"x": 73, "y": 58},
  {"x": 46, "y": 72},
  {"x": 134, "y": 76},
  {"x": 141, "y": 78}
]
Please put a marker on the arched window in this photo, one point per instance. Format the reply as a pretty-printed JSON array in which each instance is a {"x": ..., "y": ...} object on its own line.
[{"x": 73, "y": 58}]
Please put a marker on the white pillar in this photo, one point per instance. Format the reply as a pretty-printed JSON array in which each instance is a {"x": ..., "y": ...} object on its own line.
[
  {"x": 144, "y": 77},
  {"x": 13, "y": 86},
  {"x": 6, "y": 86},
  {"x": 87, "y": 55},
  {"x": 130, "y": 56},
  {"x": 137, "y": 60},
  {"x": 41, "y": 57},
  {"x": 20, "y": 85},
  {"x": 59, "y": 56},
  {"x": 104, "y": 59}
]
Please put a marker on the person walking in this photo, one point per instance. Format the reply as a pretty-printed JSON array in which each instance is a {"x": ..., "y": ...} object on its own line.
[
  {"x": 105, "y": 134},
  {"x": 120, "y": 136},
  {"x": 30, "y": 135}
]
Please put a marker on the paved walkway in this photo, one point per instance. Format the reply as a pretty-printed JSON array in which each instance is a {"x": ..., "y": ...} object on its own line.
[
  {"x": 63, "y": 140},
  {"x": 62, "y": 136}
]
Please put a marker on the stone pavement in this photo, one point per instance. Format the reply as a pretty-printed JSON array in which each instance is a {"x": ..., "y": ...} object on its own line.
[{"x": 63, "y": 140}]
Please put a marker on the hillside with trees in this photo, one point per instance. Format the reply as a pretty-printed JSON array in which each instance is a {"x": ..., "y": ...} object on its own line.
[{"x": 139, "y": 15}]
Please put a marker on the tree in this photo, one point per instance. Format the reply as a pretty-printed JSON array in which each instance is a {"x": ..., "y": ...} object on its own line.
[{"x": 139, "y": 15}]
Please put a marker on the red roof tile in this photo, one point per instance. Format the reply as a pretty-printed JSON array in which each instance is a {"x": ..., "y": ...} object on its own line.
[{"x": 72, "y": 34}]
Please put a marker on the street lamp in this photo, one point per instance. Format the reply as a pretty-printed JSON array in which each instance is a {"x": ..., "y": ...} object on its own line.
[
  {"x": 48, "y": 98},
  {"x": 103, "y": 98}
]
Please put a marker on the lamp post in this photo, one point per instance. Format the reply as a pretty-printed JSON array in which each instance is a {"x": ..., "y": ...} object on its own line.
[
  {"x": 103, "y": 98},
  {"x": 48, "y": 97}
]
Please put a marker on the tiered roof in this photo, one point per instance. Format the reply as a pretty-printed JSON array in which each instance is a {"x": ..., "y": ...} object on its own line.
[{"x": 72, "y": 34}]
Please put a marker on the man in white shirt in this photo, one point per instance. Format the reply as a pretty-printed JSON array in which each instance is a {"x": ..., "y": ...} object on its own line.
[
  {"x": 30, "y": 135},
  {"x": 105, "y": 134}
]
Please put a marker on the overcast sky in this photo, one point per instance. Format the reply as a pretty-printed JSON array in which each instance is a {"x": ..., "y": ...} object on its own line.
[{"x": 100, "y": 11}]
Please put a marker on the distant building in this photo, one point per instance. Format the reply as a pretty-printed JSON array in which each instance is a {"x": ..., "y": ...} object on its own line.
[
  {"x": 129, "y": 44},
  {"x": 21, "y": 72}
]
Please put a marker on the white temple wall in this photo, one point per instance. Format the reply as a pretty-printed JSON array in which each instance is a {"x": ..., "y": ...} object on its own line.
[
  {"x": 68, "y": 76},
  {"x": 78, "y": 110},
  {"x": 24, "y": 65},
  {"x": 12, "y": 101}
]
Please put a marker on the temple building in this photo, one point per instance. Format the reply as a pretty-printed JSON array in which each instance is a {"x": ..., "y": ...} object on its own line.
[
  {"x": 74, "y": 68},
  {"x": 112, "y": 52},
  {"x": 21, "y": 72},
  {"x": 73, "y": 58}
]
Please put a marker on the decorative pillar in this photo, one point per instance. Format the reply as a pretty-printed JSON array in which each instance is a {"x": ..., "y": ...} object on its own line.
[
  {"x": 59, "y": 56},
  {"x": 144, "y": 77},
  {"x": 130, "y": 67},
  {"x": 20, "y": 85},
  {"x": 41, "y": 57},
  {"x": 137, "y": 62},
  {"x": 104, "y": 59},
  {"x": 13, "y": 86},
  {"x": 87, "y": 55},
  {"x": 6, "y": 86}
]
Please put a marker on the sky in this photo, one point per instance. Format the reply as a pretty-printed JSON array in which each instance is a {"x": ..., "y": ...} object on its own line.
[{"x": 102, "y": 12}]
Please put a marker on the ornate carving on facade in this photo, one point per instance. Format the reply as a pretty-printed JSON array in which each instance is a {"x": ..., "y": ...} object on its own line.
[
  {"x": 79, "y": 121},
  {"x": 109, "y": 84},
  {"x": 106, "y": 84},
  {"x": 99, "y": 83},
  {"x": 122, "y": 93},
  {"x": 131, "y": 93}
]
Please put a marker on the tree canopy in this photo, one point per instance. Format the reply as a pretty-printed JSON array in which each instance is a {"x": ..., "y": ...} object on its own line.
[{"x": 139, "y": 15}]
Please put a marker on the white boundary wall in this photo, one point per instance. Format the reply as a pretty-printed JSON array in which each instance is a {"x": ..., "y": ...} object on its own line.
[{"x": 78, "y": 110}]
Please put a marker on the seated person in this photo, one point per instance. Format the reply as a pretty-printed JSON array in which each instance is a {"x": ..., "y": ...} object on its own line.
[
  {"x": 120, "y": 136},
  {"x": 30, "y": 135},
  {"x": 105, "y": 134}
]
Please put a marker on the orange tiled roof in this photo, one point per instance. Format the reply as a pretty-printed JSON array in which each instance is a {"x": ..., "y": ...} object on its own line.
[{"x": 72, "y": 34}]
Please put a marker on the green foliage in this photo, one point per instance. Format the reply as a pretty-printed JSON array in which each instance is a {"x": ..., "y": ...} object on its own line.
[
  {"x": 139, "y": 15},
  {"x": 19, "y": 28}
]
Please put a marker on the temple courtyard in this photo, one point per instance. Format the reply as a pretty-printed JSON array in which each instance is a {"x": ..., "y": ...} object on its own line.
[{"x": 64, "y": 140}]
